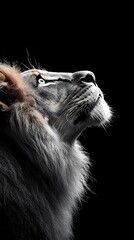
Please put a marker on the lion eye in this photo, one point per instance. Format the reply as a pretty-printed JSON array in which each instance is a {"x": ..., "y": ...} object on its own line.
[{"x": 41, "y": 81}]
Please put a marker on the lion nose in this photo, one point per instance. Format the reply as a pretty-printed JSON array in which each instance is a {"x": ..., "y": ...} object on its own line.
[{"x": 84, "y": 76}]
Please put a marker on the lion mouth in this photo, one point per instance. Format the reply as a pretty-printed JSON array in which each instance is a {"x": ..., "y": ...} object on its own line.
[{"x": 84, "y": 114}]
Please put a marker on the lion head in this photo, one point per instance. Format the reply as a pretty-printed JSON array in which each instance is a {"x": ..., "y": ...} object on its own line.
[{"x": 71, "y": 101}]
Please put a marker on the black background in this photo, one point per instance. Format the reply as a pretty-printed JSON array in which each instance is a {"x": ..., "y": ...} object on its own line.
[{"x": 69, "y": 39}]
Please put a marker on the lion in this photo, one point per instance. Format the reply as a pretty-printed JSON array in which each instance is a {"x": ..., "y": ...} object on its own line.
[{"x": 43, "y": 167}]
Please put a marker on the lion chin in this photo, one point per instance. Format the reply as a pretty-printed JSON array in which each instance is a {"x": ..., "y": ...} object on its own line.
[{"x": 94, "y": 111}]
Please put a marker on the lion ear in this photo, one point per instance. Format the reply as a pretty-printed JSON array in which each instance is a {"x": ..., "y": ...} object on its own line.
[
  {"x": 11, "y": 75},
  {"x": 2, "y": 76},
  {"x": 12, "y": 82}
]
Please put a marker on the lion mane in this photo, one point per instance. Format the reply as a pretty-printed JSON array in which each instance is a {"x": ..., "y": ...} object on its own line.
[{"x": 42, "y": 177}]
